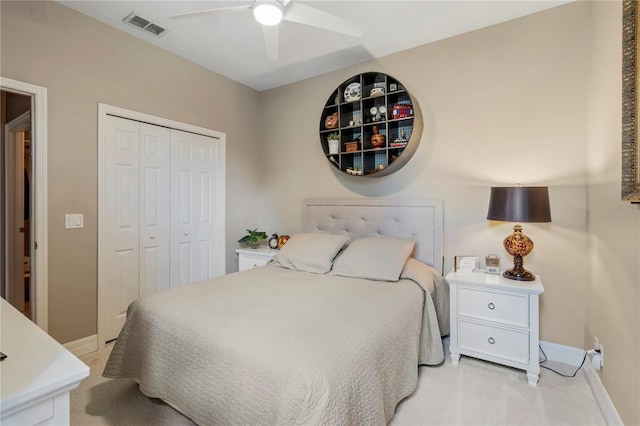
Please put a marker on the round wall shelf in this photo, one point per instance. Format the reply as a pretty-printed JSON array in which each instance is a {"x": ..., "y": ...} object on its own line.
[{"x": 370, "y": 125}]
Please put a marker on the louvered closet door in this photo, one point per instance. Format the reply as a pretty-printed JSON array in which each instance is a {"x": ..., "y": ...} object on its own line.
[
  {"x": 194, "y": 251},
  {"x": 121, "y": 221}
]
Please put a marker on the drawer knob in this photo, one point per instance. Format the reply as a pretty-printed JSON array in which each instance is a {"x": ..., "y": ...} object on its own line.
[
  {"x": 491, "y": 340},
  {"x": 255, "y": 266},
  {"x": 491, "y": 306}
]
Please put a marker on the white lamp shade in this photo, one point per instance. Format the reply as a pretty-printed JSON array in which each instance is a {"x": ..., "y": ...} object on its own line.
[{"x": 268, "y": 12}]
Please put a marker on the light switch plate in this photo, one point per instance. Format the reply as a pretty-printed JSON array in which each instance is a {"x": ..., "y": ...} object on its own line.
[{"x": 74, "y": 221}]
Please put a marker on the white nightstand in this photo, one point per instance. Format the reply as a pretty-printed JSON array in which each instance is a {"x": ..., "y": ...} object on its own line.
[
  {"x": 252, "y": 258},
  {"x": 495, "y": 319}
]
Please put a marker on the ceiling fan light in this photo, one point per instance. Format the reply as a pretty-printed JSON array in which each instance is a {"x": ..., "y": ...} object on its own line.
[{"x": 268, "y": 12}]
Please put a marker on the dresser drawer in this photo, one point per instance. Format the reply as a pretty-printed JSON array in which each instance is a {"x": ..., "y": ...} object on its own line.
[
  {"x": 505, "y": 308},
  {"x": 512, "y": 345},
  {"x": 35, "y": 414}
]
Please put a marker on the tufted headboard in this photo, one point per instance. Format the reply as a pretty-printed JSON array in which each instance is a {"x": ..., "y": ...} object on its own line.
[{"x": 387, "y": 217}]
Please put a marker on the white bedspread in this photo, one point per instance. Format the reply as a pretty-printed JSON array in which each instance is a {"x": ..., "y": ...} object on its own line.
[{"x": 276, "y": 346}]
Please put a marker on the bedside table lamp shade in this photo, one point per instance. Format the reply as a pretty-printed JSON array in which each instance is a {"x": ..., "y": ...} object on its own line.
[{"x": 519, "y": 204}]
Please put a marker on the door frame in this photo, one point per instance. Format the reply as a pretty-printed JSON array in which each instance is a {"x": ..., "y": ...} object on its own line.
[
  {"x": 14, "y": 217},
  {"x": 39, "y": 208},
  {"x": 103, "y": 111}
]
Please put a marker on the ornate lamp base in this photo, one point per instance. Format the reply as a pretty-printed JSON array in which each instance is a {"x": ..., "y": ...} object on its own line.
[
  {"x": 518, "y": 245},
  {"x": 518, "y": 272}
]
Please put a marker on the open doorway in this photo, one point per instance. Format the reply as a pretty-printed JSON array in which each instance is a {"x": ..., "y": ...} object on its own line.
[
  {"x": 17, "y": 201},
  {"x": 38, "y": 223}
]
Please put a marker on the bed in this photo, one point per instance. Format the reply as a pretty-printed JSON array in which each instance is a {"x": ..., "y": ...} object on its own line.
[{"x": 311, "y": 338}]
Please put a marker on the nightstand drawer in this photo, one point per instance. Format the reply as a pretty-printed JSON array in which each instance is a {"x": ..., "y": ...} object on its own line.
[
  {"x": 506, "y": 308},
  {"x": 246, "y": 262},
  {"x": 512, "y": 345}
]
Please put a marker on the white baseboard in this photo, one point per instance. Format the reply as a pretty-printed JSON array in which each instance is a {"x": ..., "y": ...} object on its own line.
[
  {"x": 564, "y": 354},
  {"x": 83, "y": 346},
  {"x": 609, "y": 411},
  {"x": 574, "y": 356}
]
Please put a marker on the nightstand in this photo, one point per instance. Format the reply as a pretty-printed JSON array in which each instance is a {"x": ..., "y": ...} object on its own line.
[
  {"x": 252, "y": 258},
  {"x": 495, "y": 319}
]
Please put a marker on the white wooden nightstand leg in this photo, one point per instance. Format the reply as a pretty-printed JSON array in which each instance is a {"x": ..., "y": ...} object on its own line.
[
  {"x": 455, "y": 358},
  {"x": 533, "y": 378}
]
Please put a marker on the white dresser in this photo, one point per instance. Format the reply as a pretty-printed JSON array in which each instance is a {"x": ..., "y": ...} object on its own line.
[
  {"x": 37, "y": 375},
  {"x": 495, "y": 319},
  {"x": 252, "y": 258}
]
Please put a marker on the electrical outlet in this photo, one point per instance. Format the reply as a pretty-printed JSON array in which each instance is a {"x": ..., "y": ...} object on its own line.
[
  {"x": 599, "y": 349},
  {"x": 601, "y": 354}
]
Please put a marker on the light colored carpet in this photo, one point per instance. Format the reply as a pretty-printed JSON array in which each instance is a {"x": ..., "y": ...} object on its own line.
[{"x": 474, "y": 393}]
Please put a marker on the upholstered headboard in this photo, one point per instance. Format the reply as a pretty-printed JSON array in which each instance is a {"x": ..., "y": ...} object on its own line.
[{"x": 366, "y": 217}]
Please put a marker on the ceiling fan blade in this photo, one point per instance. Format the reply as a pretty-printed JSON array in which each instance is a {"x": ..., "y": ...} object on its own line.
[
  {"x": 271, "y": 41},
  {"x": 308, "y": 15},
  {"x": 214, "y": 10}
]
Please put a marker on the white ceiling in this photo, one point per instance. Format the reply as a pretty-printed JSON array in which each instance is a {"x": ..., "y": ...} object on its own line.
[{"x": 232, "y": 44}]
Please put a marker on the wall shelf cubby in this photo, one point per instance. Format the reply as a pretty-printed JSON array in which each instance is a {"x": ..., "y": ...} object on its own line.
[{"x": 377, "y": 123}]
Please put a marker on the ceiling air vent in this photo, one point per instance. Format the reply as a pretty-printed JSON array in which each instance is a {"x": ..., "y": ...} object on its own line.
[{"x": 144, "y": 24}]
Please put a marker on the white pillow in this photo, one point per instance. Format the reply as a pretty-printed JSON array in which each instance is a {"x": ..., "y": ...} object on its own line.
[
  {"x": 310, "y": 252},
  {"x": 380, "y": 259}
]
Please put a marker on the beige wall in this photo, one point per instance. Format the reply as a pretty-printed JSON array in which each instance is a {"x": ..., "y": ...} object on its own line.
[
  {"x": 82, "y": 62},
  {"x": 613, "y": 293},
  {"x": 503, "y": 105}
]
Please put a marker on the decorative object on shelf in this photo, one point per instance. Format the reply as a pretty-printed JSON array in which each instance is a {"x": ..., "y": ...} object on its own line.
[
  {"x": 331, "y": 122},
  {"x": 378, "y": 112},
  {"x": 253, "y": 238},
  {"x": 378, "y": 86},
  {"x": 351, "y": 146},
  {"x": 400, "y": 141},
  {"x": 352, "y": 92},
  {"x": 378, "y": 140},
  {"x": 393, "y": 87},
  {"x": 519, "y": 204},
  {"x": 401, "y": 111},
  {"x": 492, "y": 264},
  {"x": 282, "y": 240},
  {"x": 361, "y": 152},
  {"x": 465, "y": 263},
  {"x": 333, "y": 141},
  {"x": 273, "y": 241}
]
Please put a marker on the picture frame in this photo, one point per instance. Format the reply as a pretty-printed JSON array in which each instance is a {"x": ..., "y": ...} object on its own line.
[
  {"x": 465, "y": 263},
  {"x": 630, "y": 176}
]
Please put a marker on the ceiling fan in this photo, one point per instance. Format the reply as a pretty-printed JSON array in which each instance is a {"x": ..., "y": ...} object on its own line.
[{"x": 270, "y": 13}]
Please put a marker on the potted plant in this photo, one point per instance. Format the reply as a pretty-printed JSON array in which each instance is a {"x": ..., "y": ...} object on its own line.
[
  {"x": 333, "y": 140},
  {"x": 253, "y": 238}
]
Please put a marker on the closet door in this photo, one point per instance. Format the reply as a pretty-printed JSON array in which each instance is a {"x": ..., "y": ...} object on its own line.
[
  {"x": 155, "y": 215},
  {"x": 121, "y": 222},
  {"x": 194, "y": 242},
  {"x": 137, "y": 220}
]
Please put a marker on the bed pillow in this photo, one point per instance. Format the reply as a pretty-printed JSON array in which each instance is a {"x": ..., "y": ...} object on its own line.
[
  {"x": 310, "y": 252},
  {"x": 380, "y": 259}
]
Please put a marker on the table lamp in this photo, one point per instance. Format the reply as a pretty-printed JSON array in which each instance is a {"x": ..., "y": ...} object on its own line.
[{"x": 519, "y": 204}]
